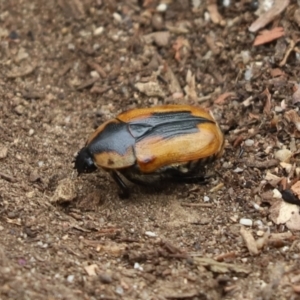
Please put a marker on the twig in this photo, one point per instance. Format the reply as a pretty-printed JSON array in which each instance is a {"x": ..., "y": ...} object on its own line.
[
  {"x": 196, "y": 204},
  {"x": 7, "y": 177}
]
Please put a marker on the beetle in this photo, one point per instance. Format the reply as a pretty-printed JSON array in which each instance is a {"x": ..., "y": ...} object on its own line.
[{"x": 152, "y": 144}]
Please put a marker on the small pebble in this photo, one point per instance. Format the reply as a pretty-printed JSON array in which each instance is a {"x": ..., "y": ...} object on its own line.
[
  {"x": 260, "y": 233},
  {"x": 256, "y": 206},
  {"x": 249, "y": 143},
  {"x": 19, "y": 109},
  {"x": 238, "y": 170},
  {"x": 283, "y": 155},
  {"x": 258, "y": 223},
  {"x": 95, "y": 74},
  {"x": 31, "y": 132},
  {"x": 162, "y": 7},
  {"x": 96, "y": 47},
  {"x": 70, "y": 278},
  {"x": 71, "y": 47},
  {"x": 206, "y": 199},
  {"x": 119, "y": 290},
  {"x": 246, "y": 222},
  {"x": 105, "y": 278},
  {"x": 98, "y": 31},
  {"x": 227, "y": 165},
  {"x": 137, "y": 266},
  {"x": 150, "y": 234},
  {"x": 117, "y": 17},
  {"x": 277, "y": 194}
]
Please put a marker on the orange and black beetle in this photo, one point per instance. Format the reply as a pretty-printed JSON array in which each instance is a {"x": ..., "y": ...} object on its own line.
[{"x": 146, "y": 145}]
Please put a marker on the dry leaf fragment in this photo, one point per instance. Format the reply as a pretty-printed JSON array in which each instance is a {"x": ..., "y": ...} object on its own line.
[
  {"x": 267, "y": 36},
  {"x": 222, "y": 98},
  {"x": 292, "y": 116},
  {"x": 267, "y": 107},
  {"x": 296, "y": 188},
  {"x": 190, "y": 88},
  {"x": 296, "y": 95},
  {"x": 277, "y": 8},
  {"x": 249, "y": 241},
  {"x": 169, "y": 76},
  {"x": 276, "y": 72},
  {"x": 282, "y": 212},
  {"x": 182, "y": 48}
]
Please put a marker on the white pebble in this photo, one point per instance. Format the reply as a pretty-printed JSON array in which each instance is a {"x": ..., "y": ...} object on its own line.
[
  {"x": 98, "y": 30},
  {"x": 119, "y": 290},
  {"x": 277, "y": 194},
  {"x": 117, "y": 17},
  {"x": 162, "y": 7},
  {"x": 206, "y": 199},
  {"x": 256, "y": 206},
  {"x": 258, "y": 223},
  {"x": 248, "y": 74},
  {"x": 95, "y": 74},
  {"x": 31, "y": 132},
  {"x": 150, "y": 234},
  {"x": 71, "y": 47},
  {"x": 70, "y": 278},
  {"x": 238, "y": 170},
  {"x": 249, "y": 143},
  {"x": 226, "y": 3},
  {"x": 260, "y": 233},
  {"x": 137, "y": 266},
  {"x": 246, "y": 222}
]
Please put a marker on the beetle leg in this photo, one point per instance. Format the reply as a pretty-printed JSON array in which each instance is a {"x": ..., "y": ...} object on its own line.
[
  {"x": 189, "y": 179},
  {"x": 124, "y": 188}
]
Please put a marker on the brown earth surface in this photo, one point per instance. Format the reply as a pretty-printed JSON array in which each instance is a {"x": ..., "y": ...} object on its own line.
[{"x": 66, "y": 66}]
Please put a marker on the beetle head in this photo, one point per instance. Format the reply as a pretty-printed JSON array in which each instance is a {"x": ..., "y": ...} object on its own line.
[{"x": 84, "y": 162}]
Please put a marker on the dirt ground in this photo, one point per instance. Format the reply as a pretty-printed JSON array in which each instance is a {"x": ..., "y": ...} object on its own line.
[{"x": 69, "y": 65}]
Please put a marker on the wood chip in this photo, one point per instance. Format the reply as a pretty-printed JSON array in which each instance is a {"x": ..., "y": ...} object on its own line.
[
  {"x": 249, "y": 241},
  {"x": 91, "y": 269},
  {"x": 214, "y": 13},
  {"x": 277, "y": 8}
]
